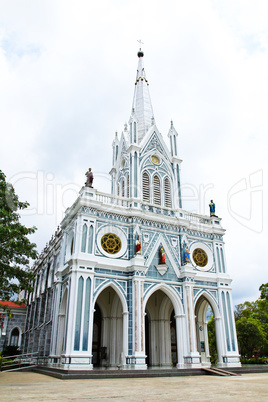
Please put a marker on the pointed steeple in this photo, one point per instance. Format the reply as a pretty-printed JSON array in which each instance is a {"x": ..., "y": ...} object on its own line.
[{"x": 142, "y": 105}]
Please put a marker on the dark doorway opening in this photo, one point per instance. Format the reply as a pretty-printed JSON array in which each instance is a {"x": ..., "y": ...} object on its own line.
[
  {"x": 147, "y": 345},
  {"x": 96, "y": 344},
  {"x": 173, "y": 337}
]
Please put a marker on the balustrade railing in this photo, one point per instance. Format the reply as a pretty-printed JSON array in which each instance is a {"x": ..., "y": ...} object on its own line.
[
  {"x": 18, "y": 362},
  {"x": 115, "y": 200}
]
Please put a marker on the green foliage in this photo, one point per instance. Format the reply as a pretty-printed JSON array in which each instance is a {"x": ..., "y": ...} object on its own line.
[
  {"x": 264, "y": 291},
  {"x": 254, "y": 360},
  {"x": 252, "y": 324},
  {"x": 250, "y": 335},
  {"x": 16, "y": 250},
  {"x": 11, "y": 351},
  {"x": 212, "y": 341}
]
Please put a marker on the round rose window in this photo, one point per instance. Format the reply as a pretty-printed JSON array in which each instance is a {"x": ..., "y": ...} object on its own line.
[
  {"x": 111, "y": 243},
  {"x": 200, "y": 257}
]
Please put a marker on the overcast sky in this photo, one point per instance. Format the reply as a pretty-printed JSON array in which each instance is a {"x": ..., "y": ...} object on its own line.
[{"x": 67, "y": 73}]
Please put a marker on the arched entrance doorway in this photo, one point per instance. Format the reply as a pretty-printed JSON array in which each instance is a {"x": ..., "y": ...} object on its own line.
[
  {"x": 160, "y": 331},
  {"x": 204, "y": 334},
  {"x": 107, "y": 342}
]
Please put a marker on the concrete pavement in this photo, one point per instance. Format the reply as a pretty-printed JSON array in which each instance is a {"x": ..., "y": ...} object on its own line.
[{"x": 27, "y": 386}]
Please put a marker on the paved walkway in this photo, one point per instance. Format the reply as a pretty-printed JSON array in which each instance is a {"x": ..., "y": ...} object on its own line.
[{"x": 32, "y": 386}]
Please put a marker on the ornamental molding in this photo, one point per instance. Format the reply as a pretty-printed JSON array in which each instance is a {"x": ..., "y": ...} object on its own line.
[{"x": 162, "y": 268}]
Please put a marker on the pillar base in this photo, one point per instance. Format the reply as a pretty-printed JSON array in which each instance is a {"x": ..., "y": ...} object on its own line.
[
  {"x": 192, "y": 361},
  {"x": 229, "y": 361},
  {"x": 137, "y": 362}
]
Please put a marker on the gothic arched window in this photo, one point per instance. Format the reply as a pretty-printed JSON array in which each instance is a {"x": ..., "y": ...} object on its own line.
[
  {"x": 14, "y": 337},
  {"x": 84, "y": 238},
  {"x": 167, "y": 193},
  {"x": 146, "y": 187},
  {"x": 157, "y": 190},
  {"x": 90, "y": 239}
]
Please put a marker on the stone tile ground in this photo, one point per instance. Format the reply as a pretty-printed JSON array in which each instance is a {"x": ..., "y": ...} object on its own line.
[{"x": 32, "y": 386}]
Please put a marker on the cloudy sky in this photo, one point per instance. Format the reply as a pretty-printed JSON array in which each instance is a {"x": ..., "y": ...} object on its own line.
[{"x": 67, "y": 73}]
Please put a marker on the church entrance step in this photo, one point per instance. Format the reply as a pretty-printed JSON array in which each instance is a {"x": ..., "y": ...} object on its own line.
[{"x": 217, "y": 371}]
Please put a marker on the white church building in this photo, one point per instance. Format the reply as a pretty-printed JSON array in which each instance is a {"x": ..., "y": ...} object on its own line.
[{"x": 128, "y": 277}]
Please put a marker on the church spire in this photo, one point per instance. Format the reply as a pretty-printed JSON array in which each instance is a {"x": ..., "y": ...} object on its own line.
[{"x": 142, "y": 105}]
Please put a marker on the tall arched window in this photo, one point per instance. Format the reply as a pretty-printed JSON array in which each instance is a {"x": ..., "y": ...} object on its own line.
[
  {"x": 14, "y": 337},
  {"x": 167, "y": 193},
  {"x": 226, "y": 322},
  {"x": 86, "y": 315},
  {"x": 84, "y": 238},
  {"x": 90, "y": 240},
  {"x": 123, "y": 188},
  {"x": 78, "y": 313},
  {"x": 157, "y": 191},
  {"x": 146, "y": 187}
]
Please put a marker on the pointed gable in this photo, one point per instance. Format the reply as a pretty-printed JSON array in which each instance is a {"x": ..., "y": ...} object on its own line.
[{"x": 153, "y": 141}]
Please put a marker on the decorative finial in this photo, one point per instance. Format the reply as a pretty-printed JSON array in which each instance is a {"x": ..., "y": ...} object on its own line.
[
  {"x": 140, "y": 52},
  {"x": 171, "y": 124},
  {"x": 125, "y": 127}
]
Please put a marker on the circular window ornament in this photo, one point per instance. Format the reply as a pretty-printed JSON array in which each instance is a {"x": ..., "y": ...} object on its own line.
[
  {"x": 200, "y": 257},
  {"x": 111, "y": 243},
  {"x": 155, "y": 159}
]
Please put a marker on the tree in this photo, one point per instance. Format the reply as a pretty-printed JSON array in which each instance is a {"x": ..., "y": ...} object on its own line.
[
  {"x": 16, "y": 250},
  {"x": 264, "y": 291},
  {"x": 252, "y": 317},
  {"x": 250, "y": 335}
]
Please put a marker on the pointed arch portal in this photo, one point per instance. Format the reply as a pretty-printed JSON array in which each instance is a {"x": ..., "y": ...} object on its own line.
[
  {"x": 160, "y": 331},
  {"x": 202, "y": 305},
  {"x": 108, "y": 334}
]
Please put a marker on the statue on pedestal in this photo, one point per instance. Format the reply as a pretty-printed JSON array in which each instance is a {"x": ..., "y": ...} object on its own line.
[
  {"x": 186, "y": 255},
  {"x": 90, "y": 178},
  {"x": 162, "y": 255},
  {"x": 138, "y": 245},
  {"x": 212, "y": 208}
]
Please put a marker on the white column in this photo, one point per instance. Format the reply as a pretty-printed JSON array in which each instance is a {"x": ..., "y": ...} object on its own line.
[
  {"x": 193, "y": 356},
  {"x": 162, "y": 342},
  {"x": 180, "y": 339},
  {"x": 91, "y": 319},
  {"x": 56, "y": 306},
  {"x": 71, "y": 314},
  {"x": 139, "y": 336},
  {"x": 125, "y": 335},
  {"x": 219, "y": 339},
  {"x": 191, "y": 319},
  {"x": 205, "y": 330}
]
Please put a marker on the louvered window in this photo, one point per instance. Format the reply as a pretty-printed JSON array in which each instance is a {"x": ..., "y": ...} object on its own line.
[
  {"x": 146, "y": 187},
  {"x": 128, "y": 186},
  {"x": 157, "y": 192},
  {"x": 167, "y": 193},
  {"x": 123, "y": 188}
]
